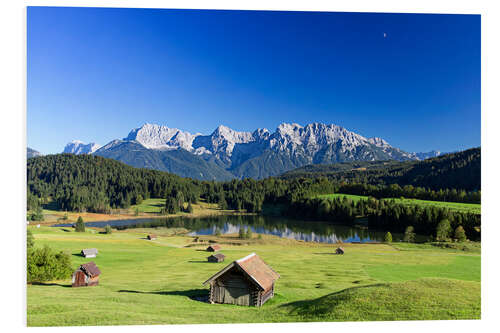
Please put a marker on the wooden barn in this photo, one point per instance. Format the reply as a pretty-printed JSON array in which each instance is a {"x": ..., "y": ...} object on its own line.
[
  {"x": 89, "y": 253},
  {"x": 213, "y": 248},
  {"x": 219, "y": 257},
  {"x": 339, "y": 250},
  {"x": 86, "y": 275},
  {"x": 247, "y": 281},
  {"x": 152, "y": 237}
]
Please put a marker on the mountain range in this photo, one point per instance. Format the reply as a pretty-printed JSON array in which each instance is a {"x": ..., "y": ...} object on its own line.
[{"x": 225, "y": 153}]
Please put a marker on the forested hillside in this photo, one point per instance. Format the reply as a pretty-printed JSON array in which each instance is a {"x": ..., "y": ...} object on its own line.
[
  {"x": 93, "y": 183},
  {"x": 460, "y": 170}
]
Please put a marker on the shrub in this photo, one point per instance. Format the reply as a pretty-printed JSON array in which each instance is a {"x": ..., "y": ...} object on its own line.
[
  {"x": 37, "y": 215},
  {"x": 217, "y": 232},
  {"x": 409, "y": 234},
  {"x": 460, "y": 234},
  {"x": 136, "y": 211},
  {"x": 249, "y": 233},
  {"x": 43, "y": 264},
  {"x": 388, "y": 237},
  {"x": 107, "y": 229},
  {"x": 443, "y": 230},
  {"x": 241, "y": 233},
  {"x": 30, "y": 240},
  {"x": 260, "y": 236},
  {"x": 79, "y": 225}
]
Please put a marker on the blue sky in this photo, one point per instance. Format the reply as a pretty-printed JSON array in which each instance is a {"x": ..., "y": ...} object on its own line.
[{"x": 94, "y": 74}]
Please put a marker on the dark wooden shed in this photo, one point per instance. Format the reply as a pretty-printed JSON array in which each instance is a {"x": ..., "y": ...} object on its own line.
[
  {"x": 339, "y": 250},
  {"x": 247, "y": 281},
  {"x": 89, "y": 253},
  {"x": 219, "y": 257},
  {"x": 213, "y": 248},
  {"x": 152, "y": 237},
  {"x": 86, "y": 275}
]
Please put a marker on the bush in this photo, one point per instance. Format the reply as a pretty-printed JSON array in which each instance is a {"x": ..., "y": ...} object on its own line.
[
  {"x": 460, "y": 234},
  {"x": 43, "y": 264},
  {"x": 30, "y": 240},
  {"x": 241, "y": 233},
  {"x": 409, "y": 234},
  {"x": 136, "y": 211},
  {"x": 79, "y": 226},
  {"x": 217, "y": 232},
  {"x": 37, "y": 215},
  {"x": 249, "y": 233},
  {"x": 260, "y": 236},
  {"x": 443, "y": 230},
  {"x": 107, "y": 229},
  {"x": 388, "y": 237}
]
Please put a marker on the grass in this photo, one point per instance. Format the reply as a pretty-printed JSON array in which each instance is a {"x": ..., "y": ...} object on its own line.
[
  {"x": 154, "y": 282},
  {"x": 455, "y": 206}
]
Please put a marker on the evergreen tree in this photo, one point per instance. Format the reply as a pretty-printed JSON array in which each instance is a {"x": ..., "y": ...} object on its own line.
[
  {"x": 249, "y": 233},
  {"x": 443, "y": 230},
  {"x": 241, "y": 233},
  {"x": 217, "y": 232},
  {"x": 409, "y": 234},
  {"x": 388, "y": 237},
  {"x": 172, "y": 205},
  {"x": 460, "y": 234},
  {"x": 79, "y": 225}
]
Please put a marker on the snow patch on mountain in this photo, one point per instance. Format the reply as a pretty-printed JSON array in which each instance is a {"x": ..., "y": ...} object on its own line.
[{"x": 78, "y": 147}]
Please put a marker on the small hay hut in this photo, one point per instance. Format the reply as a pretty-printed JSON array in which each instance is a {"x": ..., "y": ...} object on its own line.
[
  {"x": 248, "y": 281},
  {"x": 213, "y": 248},
  {"x": 89, "y": 253},
  {"x": 339, "y": 250},
  {"x": 86, "y": 275},
  {"x": 219, "y": 257},
  {"x": 152, "y": 237}
]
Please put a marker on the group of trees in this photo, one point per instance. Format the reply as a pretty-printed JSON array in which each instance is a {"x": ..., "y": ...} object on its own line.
[
  {"x": 461, "y": 170},
  {"x": 45, "y": 264},
  {"x": 93, "y": 183},
  {"x": 96, "y": 184},
  {"x": 386, "y": 215}
]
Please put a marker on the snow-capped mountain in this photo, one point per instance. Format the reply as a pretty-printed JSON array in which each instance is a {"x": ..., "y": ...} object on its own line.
[
  {"x": 32, "y": 153},
  {"x": 424, "y": 156},
  {"x": 78, "y": 147},
  {"x": 256, "y": 154}
]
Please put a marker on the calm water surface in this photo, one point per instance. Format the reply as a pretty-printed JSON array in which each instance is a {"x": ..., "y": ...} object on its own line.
[{"x": 308, "y": 231}]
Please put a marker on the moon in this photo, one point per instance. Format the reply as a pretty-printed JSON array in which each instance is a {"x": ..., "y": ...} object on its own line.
[{"x": 385, "y": 35}]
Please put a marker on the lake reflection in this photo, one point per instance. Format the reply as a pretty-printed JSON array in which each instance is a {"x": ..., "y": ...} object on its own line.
[{"x": 308, "y": 231}]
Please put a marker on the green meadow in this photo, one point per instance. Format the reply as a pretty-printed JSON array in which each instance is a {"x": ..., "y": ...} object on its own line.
[
  {"x": 456, "y": 206},
  {"x": 157, "y": 282}
]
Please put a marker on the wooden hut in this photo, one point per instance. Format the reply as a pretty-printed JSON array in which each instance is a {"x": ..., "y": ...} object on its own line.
[
  {"x": 213, "y": 248},
  {"x": 89, "y": 253},
  {"x": 152, "y": 237},
  {"x": 86, "y": 275},
  {"x": 339, "y": 250},
  {"x": 219, "y": 257},
  {"x": 247, "y": 281}
]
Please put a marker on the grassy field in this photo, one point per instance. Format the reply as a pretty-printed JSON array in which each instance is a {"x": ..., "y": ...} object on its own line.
[
  {"x": 148, "y": 208},
  {"x": 464, "y": 207},
  {"x": 154, "y": 282}
]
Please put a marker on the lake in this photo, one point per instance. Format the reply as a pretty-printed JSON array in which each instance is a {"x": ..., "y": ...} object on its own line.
[{"x": 308, "y": 231}]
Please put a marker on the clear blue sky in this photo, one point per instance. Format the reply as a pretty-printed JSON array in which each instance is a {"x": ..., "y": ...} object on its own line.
[{"x": 94, "y": 74}]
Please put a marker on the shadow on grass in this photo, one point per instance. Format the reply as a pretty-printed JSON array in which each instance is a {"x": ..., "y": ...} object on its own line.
[
  {"x": 65, "y": 230},
  {"x": 320, "y": 253},
  {"x": 200, "y": 295},
  {"x": 325, "y": 304},
  {"x": 50, "y": 284}
]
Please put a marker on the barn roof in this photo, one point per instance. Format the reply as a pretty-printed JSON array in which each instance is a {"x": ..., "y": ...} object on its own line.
[
  {"x": 218, "y": 256},
  {"x": 89, "y": 251},
  {"x": 255, "y": 268},
  {"x": 90, "y": 269}
]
